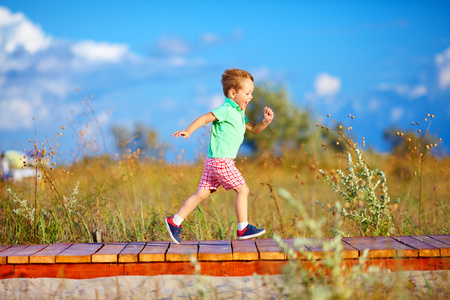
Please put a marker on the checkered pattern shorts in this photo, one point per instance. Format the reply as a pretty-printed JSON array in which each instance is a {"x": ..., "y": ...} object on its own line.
[{"x": 220, "y": 172}]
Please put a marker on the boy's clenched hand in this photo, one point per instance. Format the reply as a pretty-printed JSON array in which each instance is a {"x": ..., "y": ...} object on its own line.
[{"x": 268, "y": 114}]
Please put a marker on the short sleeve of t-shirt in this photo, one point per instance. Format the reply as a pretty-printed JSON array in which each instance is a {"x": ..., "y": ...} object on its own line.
[{"x": 220, "y": 113}]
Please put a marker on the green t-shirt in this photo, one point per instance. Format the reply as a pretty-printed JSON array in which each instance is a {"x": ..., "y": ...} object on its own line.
[{"x": 227, "y": 133}]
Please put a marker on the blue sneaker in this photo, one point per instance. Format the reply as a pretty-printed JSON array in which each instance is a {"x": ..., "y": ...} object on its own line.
[
  {"x": 173, "y": 229},
  {"x": 250, "y": 232}
]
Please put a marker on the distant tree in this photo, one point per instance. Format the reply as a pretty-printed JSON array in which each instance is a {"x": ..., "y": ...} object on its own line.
[
  {"x": 290, "y": 127},
  {"x": 141, "y": 137},
  {"x": 407, "y": 143}
]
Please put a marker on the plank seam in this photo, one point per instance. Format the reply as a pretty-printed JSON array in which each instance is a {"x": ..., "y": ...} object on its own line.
[
  {"x": 438, "y": 240},
  {"x": 406, "y": 244},
  {"x": 425, "y": 242}
]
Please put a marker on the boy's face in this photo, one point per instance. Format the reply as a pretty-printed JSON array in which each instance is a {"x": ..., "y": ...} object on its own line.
[{"x": 244, "y": 95}]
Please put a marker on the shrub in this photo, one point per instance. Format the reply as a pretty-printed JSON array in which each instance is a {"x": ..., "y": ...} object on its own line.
[{"x": 366, "y": 196}]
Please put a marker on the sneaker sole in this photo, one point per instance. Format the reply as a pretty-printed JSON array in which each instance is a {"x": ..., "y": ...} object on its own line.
[
  {"x": 252, "y": 236},
  {"x": 170, "y": 232}
]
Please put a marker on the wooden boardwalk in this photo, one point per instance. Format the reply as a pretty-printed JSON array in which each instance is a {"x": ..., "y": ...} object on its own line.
[{"x": 215, "y": 258}]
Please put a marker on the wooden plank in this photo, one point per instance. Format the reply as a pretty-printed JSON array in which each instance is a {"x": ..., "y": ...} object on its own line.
[
  {"x": 23, "y": 256},
  {"x": 244, "y": 250},
  {"x": 441, "y": 238},
  {"x": 4, "y": 247},
  {"x": 154, "y": 251},
  {"x": 48, "y": 255},
  {"x": 131, "y": 252},
  {"x": 108, "y": 253},
  {"x": 269, "y": 250},
  {"x": 182, "y": 251},
  {"x": 300, "y": 250},
  {"x": 443, "y": 247},
  {"x": 78, "y": 253},
  {"x": 425, "y": 250},
  {"x": 401, "y": 249},
  {"x": 348, "y": 252},
  {"x": 376, "y": 248},
  {"x": 211, "y": 268},
  {"x": 215, "y": 250},
  {"x": 10, "y": 251},
  {"x": 315, "y": 247}
]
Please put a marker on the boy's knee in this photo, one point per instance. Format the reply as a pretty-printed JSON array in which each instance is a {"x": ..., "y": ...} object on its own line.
[{"x": 202, "y": 194}]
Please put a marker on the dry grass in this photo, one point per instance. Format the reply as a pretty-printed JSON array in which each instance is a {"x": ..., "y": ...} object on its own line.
[{"x": 128, "y": 198}]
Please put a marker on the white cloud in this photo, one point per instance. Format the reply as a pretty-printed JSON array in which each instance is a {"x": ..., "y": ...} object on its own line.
[
  {"x": 417, "y": 92},
  {"x": 39, "y": 74},
  {"x": 373, "y": 104},
  {"x": 216, "y": 101},
  {"x": 327, "y": 85},
  {"x": 210, "y": 38},
  {"x": 100, "y": 52},
  {"x": 16, "y": 32},
  {"x": 397, "y": 113},
  {"x": 410, "y": 92},
  {"x": 168, "y": 45},
  {"x": 17, "y": 113},
  {"x": 213, "y": 39},
  {"x": 8, "y": 18},
  {"x": 261, "y": 74},
  {"x": 168, "y": 105},
  {"x": 56, "y": 86},
  {"x": 177, "y": 61},
  {"x": 443, "y": 64}
]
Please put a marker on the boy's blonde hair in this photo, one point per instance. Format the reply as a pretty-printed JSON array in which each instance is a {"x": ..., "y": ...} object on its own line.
[{"x": 232, "y": 79}]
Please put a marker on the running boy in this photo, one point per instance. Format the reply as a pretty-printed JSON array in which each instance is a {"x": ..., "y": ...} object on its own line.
[{"x": 229, "y": 124}]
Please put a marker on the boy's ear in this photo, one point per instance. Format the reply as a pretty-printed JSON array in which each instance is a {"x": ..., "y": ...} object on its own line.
[{"x": 231, "y": 93}]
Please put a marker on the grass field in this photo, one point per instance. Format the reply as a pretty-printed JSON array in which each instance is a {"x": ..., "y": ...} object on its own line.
[{"x": 127, "y": 198}]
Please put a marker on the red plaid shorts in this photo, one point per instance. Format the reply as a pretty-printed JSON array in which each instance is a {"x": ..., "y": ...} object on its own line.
[{"x": 220, "y": 172}]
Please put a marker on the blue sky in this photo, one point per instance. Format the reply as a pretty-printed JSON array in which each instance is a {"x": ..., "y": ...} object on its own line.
[{"x": 159, "y": 63}]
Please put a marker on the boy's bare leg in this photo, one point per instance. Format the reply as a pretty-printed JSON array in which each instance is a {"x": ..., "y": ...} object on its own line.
[
  {"x": 192, "y": 201},
  {"x": 241, "y": 203}
]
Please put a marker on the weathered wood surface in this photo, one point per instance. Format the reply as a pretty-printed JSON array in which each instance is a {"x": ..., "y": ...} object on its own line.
[
  {"x": 23, "y": 256},
  {"x": 3, "y": 247},
  {"x": 425, "y": 250},
  {"x": 218, "y": 258},
  {"x": 48, "y": 254},
  {"x": 401, "y": 250},
  {"x": 109, "y": 253},
  {"x": 78, "y": 253},
  {"x": 269, "y": 250},
  {"x": 244, "y": 250},
  {"x": 154, "y": 251},
  {"x": 377, "y": 248},
  {"x": 9, "y": 251},
  {"x": 131, "y": 252},
  {"x": 300, "y": 251},
  {"x": 215, "y": 251},
  {"x": 442, "y": 238},
  {"x": 182, "y": 252},
  {"x": 444, "y": 248}
]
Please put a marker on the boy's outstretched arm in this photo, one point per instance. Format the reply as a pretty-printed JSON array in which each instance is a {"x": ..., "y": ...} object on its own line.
[
  {"x": 199, "y": 122},
  {"x": 257, "y": 128}
]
